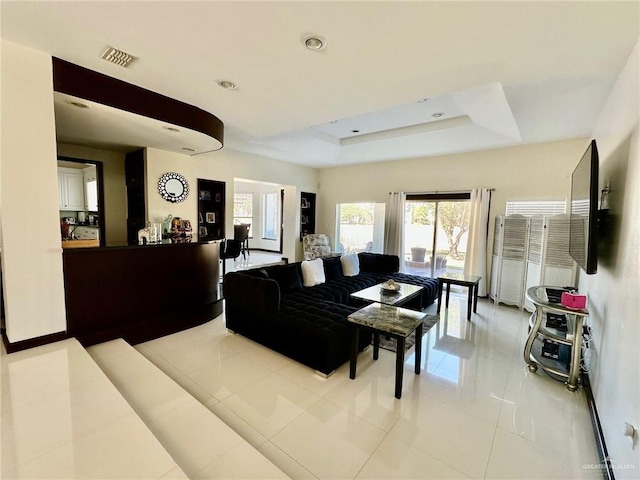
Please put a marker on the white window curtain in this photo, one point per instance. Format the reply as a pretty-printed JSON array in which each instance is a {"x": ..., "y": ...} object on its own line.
[
  {"x": 394, "y": 226},
  {"x": 476, "y": 259}
]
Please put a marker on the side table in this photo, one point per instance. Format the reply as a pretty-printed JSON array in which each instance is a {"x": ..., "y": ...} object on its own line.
[
  {"x": 470, "y": 281},
  {"x": 391, "y": 321}
]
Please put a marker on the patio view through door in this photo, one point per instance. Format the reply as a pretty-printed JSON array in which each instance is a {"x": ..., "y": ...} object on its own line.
[{"x": 435, "y": 233}]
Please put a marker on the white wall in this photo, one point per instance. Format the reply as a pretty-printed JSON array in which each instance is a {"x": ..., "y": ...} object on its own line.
[
  {"x": 31, "y": 248},
  {"x": 523, "y": 172},
  {"x": 614, "y": 303},
  {"x": 31, "y": 254},
  {"x": 160, "y": 162},
  {"x": 115, "y": 191},
  {"x": 227, "y": 165}
]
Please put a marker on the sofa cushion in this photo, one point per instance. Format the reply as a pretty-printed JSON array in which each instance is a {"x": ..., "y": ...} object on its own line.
[
  {"x": 312, "y": 272},
  {"x": 257, "y": 272},
  {"x": 374, "y": 263},
  {"x": 350, "y": 264},
  {"x": 332, "y": 268},
  {"x": 287, "y": 276}
]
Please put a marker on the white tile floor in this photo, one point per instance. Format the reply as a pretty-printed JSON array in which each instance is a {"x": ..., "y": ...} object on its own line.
[
  {"x": 474, "y": 412},
  {"x": 62, "y": 418},
  {"x": 253, "y": 259}
]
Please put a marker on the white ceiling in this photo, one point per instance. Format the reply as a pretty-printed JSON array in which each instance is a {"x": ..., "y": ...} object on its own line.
[{"x": 502, "y": 73}]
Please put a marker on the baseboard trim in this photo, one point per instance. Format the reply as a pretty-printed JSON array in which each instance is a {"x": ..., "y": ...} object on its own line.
[
  {"x": 603, "y": 452},
  {"x": 263, "y": 250},
  {"x": 31, "y": 342}
]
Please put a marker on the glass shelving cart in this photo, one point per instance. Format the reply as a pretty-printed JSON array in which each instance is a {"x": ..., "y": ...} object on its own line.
[{"x": 555, "y": 336}]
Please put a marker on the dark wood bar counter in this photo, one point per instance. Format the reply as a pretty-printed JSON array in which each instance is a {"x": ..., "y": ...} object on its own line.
[{"x": 139, "y": 293}]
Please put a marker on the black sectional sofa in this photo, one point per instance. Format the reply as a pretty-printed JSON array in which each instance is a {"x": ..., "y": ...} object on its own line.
[{"x": 309, "y": 324}]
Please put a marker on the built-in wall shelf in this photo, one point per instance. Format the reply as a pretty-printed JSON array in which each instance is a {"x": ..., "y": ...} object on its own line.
[
  {"x": 211, "y": 205},
  {"x": 307, "y": 213},
  {"x": 136, "y": 202}
]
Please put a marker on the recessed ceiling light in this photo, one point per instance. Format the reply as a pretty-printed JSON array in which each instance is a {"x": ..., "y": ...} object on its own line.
[
  {"x": 314, "y": 42},
  {"x": 187, "y": 149},
  {"x": 437, "y": 115},
  {"x": 227, "y": 84},
  {"x": 78, "y": 104},
  {"x": 172, "y": 129}
]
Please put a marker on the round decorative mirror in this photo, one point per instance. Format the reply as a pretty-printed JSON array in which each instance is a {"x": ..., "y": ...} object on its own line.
[{"x": 173, "y": 187}]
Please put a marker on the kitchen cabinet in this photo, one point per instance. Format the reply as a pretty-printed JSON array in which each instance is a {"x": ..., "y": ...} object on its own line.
[
  {"x": 90, "y": 189},
  {"x": 70, "y": 189}
]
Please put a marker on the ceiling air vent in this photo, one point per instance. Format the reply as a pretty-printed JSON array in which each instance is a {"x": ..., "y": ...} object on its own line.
[{"x": 118, "y": 57}]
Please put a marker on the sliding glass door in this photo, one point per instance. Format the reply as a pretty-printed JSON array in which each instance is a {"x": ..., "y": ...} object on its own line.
[{"x": 435, "y": 233}]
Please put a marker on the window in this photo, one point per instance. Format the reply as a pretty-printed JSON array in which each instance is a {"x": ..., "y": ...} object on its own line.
[
  {"x": 435, "y": 233},
  {"x": 270, "y": 215},
  {"x": 535, "y": 207},
  {"x": 243, "y": 209},
  {"x": 360, "y": 227}
]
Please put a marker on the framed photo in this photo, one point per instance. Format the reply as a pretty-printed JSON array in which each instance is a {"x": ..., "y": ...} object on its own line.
[
  {"x": 218, "y": 197},
  {"x": 200, "y": 219},
  {"x": 202, "y": 231},
  {"x": 305, "y": 220},
  {"x": 211, "y": 217},
  {"x": 305, "y": 204},
  {"x": 204, "y": 195}
]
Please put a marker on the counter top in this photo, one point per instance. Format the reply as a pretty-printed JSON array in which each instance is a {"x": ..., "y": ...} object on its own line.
[
  {"x": 168, "y": 243},
  {"x": 80, "y": 243}
]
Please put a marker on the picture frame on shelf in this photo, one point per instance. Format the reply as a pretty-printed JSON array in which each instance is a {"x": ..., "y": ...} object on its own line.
[
  {"x": 211, "y": 217},
  {"x": 304, "y": 203},
  {"x": 204, "y": 195},
  {"x": 202, "y": 231},
  {"x": 218, "y": 197},
  {"x": 304, "y": 220},
  {"x": 200, "y": 219}
]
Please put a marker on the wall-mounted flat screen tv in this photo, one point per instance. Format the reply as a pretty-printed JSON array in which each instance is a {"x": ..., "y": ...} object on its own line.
[{"x": 584, "y": 211}]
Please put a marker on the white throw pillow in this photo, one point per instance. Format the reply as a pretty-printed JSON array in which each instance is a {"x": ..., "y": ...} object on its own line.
[
  {"x": 312, "y": 272},
  {"x": 350, "y": 264}
]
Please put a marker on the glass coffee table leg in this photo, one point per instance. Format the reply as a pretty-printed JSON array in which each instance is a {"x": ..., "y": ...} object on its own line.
[
  {"x": 354, "y": 352},
  {"x": 376, "y": 345},
  {"x": 475, "y": 298},
  {"x": 399, "y": 365},
  {"x": 418, "y": 349}
]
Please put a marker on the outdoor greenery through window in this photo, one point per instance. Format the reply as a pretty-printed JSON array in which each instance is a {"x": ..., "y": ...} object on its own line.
[
  {"x": 360, "y": 227},
  {"x": 243, "y": 209},
  {"x": 435, "y": 233}
]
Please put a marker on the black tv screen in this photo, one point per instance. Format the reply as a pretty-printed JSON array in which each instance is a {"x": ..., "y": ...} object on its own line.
[{"x": 584, "y": 211}]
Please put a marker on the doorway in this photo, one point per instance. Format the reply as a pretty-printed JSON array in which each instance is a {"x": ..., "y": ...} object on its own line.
[
  {"x": 91, "y": 209},
  {"x": 435, "y": 233}
]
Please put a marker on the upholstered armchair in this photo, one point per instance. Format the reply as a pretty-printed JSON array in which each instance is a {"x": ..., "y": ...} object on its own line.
[{"x": 316, "y": 245}]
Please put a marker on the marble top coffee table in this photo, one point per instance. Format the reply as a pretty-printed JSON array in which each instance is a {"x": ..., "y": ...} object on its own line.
[
  {"x": 398, "y": 298},
  {"x": 393, "y": 322}
]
